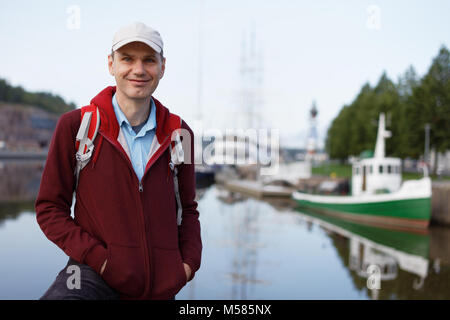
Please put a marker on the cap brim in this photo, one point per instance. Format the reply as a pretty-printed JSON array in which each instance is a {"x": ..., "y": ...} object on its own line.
[{"x": 151, "y": 44}]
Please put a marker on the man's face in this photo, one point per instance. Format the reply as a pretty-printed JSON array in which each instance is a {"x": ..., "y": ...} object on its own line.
[{"x": 137, "y": 69}]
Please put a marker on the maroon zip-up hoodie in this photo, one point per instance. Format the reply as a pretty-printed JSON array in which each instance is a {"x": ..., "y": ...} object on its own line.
[{"x": 132, "y": 226}]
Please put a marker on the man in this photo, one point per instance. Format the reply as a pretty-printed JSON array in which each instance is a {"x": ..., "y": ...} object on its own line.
[{"x": 124, "y": 238}]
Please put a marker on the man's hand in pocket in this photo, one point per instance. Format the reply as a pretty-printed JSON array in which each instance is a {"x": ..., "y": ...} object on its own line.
[
  {"x": 103, "y": 267},
  {"x": 188, "y": 271}
]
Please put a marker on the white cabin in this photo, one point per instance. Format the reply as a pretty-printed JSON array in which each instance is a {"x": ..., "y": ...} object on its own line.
[{"x": 377, "y": 174}]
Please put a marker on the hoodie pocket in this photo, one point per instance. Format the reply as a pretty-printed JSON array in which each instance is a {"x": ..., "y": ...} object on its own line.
[
  {"x": 169, "y": 275},
  {"x": 125, "y": 271}
]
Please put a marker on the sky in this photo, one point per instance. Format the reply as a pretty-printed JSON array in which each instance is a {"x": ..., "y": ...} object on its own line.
[{"x": 322, "y": 51}]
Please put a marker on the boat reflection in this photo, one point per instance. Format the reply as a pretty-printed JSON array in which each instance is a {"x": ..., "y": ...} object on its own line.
[
  {"x": 406, "y": 269},
  {"x": 229, "y": 197}
]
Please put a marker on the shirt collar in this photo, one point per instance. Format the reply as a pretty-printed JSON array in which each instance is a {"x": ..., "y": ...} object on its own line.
[{"x": 121, "y": 118}]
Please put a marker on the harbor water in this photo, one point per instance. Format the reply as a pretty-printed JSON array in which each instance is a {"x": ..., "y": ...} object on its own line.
[{"x": 252, "y": 249}]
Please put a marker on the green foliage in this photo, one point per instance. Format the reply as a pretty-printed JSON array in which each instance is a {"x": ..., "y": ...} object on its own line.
[
  {"x": 44, "y": 100},
  {"x": 340, "y": 170},
  {"x": 409, "y": 105}
]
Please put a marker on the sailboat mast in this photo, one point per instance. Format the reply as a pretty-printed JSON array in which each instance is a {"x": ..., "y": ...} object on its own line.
[{"x": 200, "y": 61}]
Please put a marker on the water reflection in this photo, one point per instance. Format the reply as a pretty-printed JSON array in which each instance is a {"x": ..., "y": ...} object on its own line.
[
  {"x": 19, "y": 186},
  {"x": 408, "y": 270},
  {"x": 253, "y": 249},
  {"x": 244, "y": 235}
]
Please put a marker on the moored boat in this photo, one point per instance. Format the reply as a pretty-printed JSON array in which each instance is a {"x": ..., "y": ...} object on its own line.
[{"x": 378, "y": 195}]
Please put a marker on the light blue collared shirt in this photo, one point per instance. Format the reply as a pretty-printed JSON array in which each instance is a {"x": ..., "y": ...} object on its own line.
[{"x": 138, "y": 144}]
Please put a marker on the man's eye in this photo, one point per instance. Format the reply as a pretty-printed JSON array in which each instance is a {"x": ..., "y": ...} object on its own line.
[
  {"x": 126, "y": 58},
  {"x": 149, "y": 60}
]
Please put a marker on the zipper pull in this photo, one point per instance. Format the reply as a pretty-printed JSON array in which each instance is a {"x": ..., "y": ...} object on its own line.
[{"x": 140, "y": 187}]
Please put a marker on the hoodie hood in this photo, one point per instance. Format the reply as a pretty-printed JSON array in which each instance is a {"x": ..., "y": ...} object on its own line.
[{"x": 109, "y": 124}]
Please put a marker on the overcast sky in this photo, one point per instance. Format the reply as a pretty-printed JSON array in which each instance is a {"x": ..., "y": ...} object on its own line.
[{"x": 311, "y": 50}]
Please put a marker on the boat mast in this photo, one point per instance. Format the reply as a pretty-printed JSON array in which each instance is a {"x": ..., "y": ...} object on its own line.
[
  {"x": 381, "y": 135},
  {"x": 200, "y": 62}
]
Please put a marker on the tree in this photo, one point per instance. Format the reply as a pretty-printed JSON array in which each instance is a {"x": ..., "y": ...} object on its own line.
[
  {"x": 409, "y": 105},
  {"x": 409, "y": 120},
  {"x": 431, "y": 103},
  {"x": 44, "y": 100}
]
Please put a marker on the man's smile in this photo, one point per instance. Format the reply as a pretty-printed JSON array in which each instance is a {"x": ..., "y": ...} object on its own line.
[{"x": 139, "y": 83}]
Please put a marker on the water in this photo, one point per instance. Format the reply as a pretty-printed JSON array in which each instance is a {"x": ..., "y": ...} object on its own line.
[{"x": 253, "y": 249}]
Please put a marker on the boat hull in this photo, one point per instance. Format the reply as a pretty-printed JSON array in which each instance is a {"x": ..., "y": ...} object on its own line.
[
  {"x": 409, "y": 207},
  {"x": 401, "y": 214}
]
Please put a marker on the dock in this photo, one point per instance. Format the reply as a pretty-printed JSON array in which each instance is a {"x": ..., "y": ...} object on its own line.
[
  {"x": 258, "y": 189},
  {"x": 440, "y": 203},
  {"x": 23, "y": 155}
]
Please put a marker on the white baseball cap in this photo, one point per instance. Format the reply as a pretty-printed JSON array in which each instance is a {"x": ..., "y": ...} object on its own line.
[{"x": 138, "y": 31}]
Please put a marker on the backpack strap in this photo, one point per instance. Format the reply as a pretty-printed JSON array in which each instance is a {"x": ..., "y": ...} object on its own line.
[
  {"x": 176, "y": 158},
  {"x": 84, "y": 144}
]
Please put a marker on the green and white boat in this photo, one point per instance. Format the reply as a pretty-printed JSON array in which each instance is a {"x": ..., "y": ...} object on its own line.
[{"x": 378, "y": 195}]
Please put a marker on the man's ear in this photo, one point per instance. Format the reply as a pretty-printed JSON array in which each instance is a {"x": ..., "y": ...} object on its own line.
[
  {"x": 110, "y": 65},
  {"x": 163, "y": 68}
]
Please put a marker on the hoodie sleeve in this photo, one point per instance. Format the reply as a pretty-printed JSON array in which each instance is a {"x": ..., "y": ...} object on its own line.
[
  {"x": 54, "y": 201},
  {"x": 189, "y": 230}
]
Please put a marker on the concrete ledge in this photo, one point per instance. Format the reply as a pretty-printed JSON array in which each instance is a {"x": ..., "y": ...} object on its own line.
[{"x": 440, "y": 203}]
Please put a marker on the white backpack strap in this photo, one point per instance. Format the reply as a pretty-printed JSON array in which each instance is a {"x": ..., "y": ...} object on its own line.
[
  {"x": 177, "y": 193},
  {"x": 177, "y": 153},
  {"x": 85, "y": 142},
  {"x": 176, "y": 158}
]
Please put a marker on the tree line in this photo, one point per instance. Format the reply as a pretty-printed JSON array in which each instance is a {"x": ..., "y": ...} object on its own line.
[
  {"x": 409, "y": 104},
  {"x": 44, "y": 100}
]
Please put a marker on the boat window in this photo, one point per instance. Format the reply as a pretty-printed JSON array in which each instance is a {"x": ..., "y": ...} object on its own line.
[
  {"x": 371, "y": 169},
  {"x": 389, "y": 169},
  {"x": 381, "y": 169},
  {"x": 356, "y": 171}
]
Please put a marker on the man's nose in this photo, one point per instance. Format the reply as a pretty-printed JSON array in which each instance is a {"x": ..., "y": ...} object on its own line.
[{"x": 138, "y": 68}]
